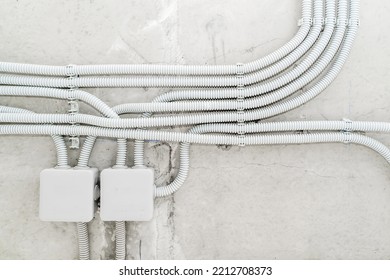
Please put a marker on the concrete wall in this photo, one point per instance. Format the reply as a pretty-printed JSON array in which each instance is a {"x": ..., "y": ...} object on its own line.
[{"x": 277, "y": 202}]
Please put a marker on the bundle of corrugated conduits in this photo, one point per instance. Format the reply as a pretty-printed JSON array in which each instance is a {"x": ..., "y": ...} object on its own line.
[{"x": 223, "y": 103}]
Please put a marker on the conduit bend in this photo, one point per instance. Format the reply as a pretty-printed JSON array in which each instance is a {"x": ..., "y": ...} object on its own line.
[
  {"x": 184, "y": 148},
  {"x": 178, "y": 81},
  {"x": 85, "y": 151},
  {"x": 156, "y": 81},
  {"x": 62, "y": 162},
  {"x": 306, "y": 71},
  {"x": 163, "y": 104},
  {"x": 346, "y": 126},
  {"x": 212, "y": 117},
  {"x": 187, "y": 70},
  {"x": 82, "y": 228},
  {"x": 59, "y": 142}
]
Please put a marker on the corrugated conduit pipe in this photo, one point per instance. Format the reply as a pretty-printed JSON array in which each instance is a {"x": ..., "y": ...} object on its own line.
[
  {"x": 212, "y": 117},
  {"x": 177, "y": 81},
  {"x": 62, "y": 162},
  {"x": 165, "y": 101},
  {"x": 345, "y": 126},
  {"x": 222, "y": 139},
  {"x": 59, "y": 142},
  {"x": 168, "y": 136},
  {"x": 85, "y": 151},
  {"x": 120, "y": 226},
  {"x": 157, "y": 69}
]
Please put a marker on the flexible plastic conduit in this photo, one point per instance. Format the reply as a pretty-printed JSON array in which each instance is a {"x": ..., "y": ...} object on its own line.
[
  {"x": 346, "y": 126},
  {"x": 224, "y": 140},
  {"x": 82, "y": 230},
  {"x": 84, "y": 154},
  {"x": 214, "y": 117},
  {"x": 321, "y": 54},
  {"x": 178, "y": 81},
  {"x": 59, "y": 142},
  {"x": 171, "y": 81},
  {"x": 62, "y": 162},
  {"x": 278, "y": 108},
  {"x": 73, "y": 70},
  {"x": 244, "y": 93},
  {"x": 168, "y": 136},
  {"x": 247, "y": 92}
]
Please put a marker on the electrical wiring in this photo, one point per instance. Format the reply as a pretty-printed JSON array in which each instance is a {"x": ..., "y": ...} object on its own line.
[
  {"x": 248, "y": 140},
  {"x": 176, "y": 81},
  {"x": 148, "y": 69},
  {"x": 59, "y": 142},
  {"x": 169, "y": 136},
  {"x": 222, "y": 102},
  {"x": 214, "y": 117}
]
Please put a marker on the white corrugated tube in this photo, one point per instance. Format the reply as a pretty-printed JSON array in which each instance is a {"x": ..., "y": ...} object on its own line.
[
  {"x": 221, "y": 101},
  {"x": 210, "y": 117},
  {"x": 157, "y": 69}
]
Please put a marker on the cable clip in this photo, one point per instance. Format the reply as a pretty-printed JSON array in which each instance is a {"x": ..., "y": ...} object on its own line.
[
  {"x": 241, "y": 140},
  {"x": 348, "y": 125},
  {"x": 74, "y": 142},
  {"x": 70, "y": 70},
  {"x": 240, "y": 105},
  {"x": 240, "y": 98},
  {"x": 240, "y": 116},
  {"x": 347, "y": 137},
  {"x": 240, "y": 81},
  {"x": 240, "y": 95},
  {"x": 354, "y": 22},
  {"x": 74, "y": 107},
  {"x": 342, "y": 22},
  {"x": 302, "y": 21},
  {"x": 240, "y": 69},
  {"x": 71, "y": 82},
  {"x": 73, "y": 110},
  {"x": 332, "y": 20},
  {"x": 318, "y": 21},
  {"x": 241, "y": 129}
]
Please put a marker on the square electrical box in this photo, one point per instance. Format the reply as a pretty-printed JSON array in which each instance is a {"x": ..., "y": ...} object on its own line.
[
  {"x": 68, "y": 195},
  {"x": 127, "y": 194}
]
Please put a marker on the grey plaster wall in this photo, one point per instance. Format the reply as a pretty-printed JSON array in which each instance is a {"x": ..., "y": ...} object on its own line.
[{"x": 276, "y": 202}]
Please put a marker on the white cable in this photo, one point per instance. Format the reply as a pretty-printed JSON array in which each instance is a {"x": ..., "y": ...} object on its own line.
[
  {"x": 346, "y": 126},
  {"x": 214, "y": 117},
  {"x": 291, "y": 78},
  {"x": 223, "y": 117},
  {"x": 168, "y": 136},
  {"x": 177, "y": 81},
  {"x": 278, "y": 139},
  {"x": 74, "y": 70},
  {"x": 278, "y": 83},
  {"x": 59, "y": 142}
]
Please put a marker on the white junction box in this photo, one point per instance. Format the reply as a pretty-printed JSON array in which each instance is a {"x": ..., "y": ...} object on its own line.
[
  {"x": 127, "y": 194},
  {"x": 68, "y": 195}
]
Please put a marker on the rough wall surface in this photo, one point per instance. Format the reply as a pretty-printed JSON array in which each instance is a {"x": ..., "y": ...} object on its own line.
[{"x": 275, "y": 202}]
